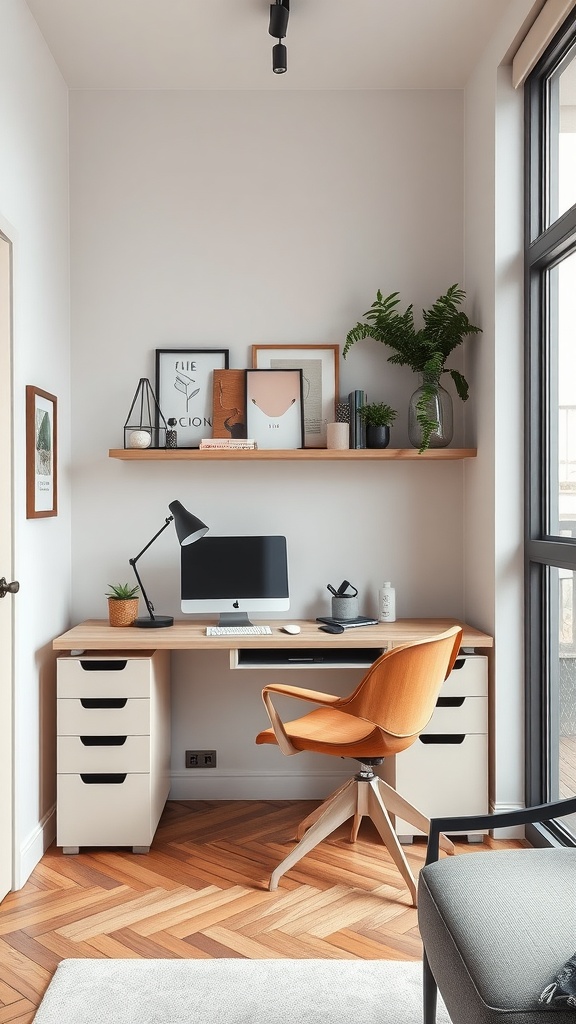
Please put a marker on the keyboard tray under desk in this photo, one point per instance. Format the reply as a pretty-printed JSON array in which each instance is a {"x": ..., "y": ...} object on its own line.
[{"x": 305, "y": 657}]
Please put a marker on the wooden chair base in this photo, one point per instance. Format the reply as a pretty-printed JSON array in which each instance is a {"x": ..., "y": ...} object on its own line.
[{"x": 356, "y": 798}]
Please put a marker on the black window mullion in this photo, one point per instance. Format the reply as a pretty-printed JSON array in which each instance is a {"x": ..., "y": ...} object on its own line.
[
  {"x": 552, "y": 144},
  {"x": 555, "y": 242},
  {"x": 550, "y": 496},
  {"x": 560, "y": 552}
]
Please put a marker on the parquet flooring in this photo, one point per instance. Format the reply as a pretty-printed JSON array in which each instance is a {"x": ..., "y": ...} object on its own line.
[{"x": 202, "y": 892}]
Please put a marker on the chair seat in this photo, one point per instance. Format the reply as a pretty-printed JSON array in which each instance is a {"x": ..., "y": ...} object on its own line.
[
  {"x": 496, "y": 936},
  {"x": 349, "y": 736}
]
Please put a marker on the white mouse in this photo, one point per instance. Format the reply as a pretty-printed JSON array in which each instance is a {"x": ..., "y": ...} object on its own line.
[{"x": 290, "y": 629}]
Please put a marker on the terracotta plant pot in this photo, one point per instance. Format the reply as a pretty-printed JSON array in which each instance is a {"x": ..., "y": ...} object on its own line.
[{"x": 122, "y": 613}]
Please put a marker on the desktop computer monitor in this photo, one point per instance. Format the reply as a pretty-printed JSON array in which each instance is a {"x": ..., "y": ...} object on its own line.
[{"x": 234, "y": 577}]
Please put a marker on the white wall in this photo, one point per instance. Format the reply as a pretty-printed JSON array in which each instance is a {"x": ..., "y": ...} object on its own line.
[
  {"x": 34, "y": 213},
  {"x": 224, "y": 219}
]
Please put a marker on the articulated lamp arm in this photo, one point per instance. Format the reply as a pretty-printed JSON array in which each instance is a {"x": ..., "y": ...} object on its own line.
[
  {"x": 132, "y": 562},
  {"x": 189, "y": 529}
]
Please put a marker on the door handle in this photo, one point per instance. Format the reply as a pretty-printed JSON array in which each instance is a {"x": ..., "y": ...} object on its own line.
[{"x": 8, "y": 588}]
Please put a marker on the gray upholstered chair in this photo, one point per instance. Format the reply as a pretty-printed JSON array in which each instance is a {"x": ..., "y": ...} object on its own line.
[{"x": 497, "y": 926}]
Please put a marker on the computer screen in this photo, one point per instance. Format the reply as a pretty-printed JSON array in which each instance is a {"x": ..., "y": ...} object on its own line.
[{"x": 235, "y": 577}]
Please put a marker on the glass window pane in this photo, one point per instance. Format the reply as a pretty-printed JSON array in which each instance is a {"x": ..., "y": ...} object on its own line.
[
  {"x": 562, "y": 686},
  {"x": 561, "y": 517},
  {"x": 562, "y": 114}
]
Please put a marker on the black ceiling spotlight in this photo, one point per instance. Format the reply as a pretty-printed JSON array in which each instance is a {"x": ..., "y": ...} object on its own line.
[
  {"x": 279, "y": 59},
  {"x": 278, "y": 26}
]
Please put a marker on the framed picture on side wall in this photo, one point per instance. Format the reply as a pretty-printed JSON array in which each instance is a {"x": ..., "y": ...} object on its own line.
[
  {"x": 319, "y": 365},
  {"x": 41, "y": 454},
  {"x": 274, "y": 416},
  {"x": 184, "y": 389}
]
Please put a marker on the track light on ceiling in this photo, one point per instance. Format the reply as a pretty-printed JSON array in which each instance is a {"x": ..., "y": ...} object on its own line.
[
  {"x": 278, "y": 26},
  {"x": 279, "y": 13}
]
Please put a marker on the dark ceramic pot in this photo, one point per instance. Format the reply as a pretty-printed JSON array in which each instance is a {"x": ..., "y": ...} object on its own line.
[{"x": 377, "y": 437}]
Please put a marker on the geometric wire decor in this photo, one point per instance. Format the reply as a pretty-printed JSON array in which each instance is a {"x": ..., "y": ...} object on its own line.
[{"x": 145, "y": 426}]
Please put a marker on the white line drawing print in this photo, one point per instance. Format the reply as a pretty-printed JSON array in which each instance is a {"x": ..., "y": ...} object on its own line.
[{"x": 183, "y": 383}]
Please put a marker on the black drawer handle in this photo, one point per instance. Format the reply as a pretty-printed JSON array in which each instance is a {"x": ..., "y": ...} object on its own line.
[
  {"x": 103, "y": 778},
  {"x": 450, "y": 702},
  {"x": 459, "y": 663},
  {"x": 103, "y": 741},
  {"x": 104, "y": 702},
  {"x": 104, "y": 666},
  {"x": 443, "y": 737}
]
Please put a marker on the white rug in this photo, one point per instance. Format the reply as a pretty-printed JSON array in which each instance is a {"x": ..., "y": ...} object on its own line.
[{"x": 235, "y": 991}]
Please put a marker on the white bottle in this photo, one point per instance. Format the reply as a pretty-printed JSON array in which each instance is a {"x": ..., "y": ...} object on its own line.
[{"x": 387, "y": 603}]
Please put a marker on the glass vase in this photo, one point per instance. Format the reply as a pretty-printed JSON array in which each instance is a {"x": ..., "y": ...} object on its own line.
[{"x": 432, "y": 403}]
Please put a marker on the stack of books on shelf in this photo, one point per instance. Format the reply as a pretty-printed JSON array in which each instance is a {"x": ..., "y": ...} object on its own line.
[
  {"x": 356, "y": 399},
  {"x": 229, "y": 443}
]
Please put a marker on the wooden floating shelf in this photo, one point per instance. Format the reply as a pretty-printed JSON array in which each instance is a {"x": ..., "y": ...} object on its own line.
[{"x": 294, "y": 454}]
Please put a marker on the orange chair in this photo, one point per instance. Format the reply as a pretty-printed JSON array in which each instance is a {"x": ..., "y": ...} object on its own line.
[{"x": 383, "y": 716}]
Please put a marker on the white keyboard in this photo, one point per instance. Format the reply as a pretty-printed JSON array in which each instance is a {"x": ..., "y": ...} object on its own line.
[{"x": 238, "y": 630}]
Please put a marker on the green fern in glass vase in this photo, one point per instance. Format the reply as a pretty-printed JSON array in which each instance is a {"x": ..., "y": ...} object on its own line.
[{"x": 424, "y": 350}]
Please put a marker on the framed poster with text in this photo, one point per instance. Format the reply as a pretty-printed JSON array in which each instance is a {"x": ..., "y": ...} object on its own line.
[
  {"x": 184, "y": 388},
  {"x": 274, "y": 417}
]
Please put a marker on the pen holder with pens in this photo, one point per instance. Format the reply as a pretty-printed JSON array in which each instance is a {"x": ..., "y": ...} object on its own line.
[{"x": 344, "y": 604}]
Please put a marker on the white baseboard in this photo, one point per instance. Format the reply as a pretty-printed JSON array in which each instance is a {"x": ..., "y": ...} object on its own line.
[
  {"x": 516, "y": 831},
  {"x": 219, "y": 784},
  {"x": 34, "y": 847}
]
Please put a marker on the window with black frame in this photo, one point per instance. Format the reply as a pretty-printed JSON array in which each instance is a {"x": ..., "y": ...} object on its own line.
[{"x": 551, "y": 425}]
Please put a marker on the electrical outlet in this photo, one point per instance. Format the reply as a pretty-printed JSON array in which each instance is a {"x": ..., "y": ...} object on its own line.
[{"x": 200, "y": 758}]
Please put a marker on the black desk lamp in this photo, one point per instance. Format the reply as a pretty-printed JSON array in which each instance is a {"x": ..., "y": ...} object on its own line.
[{"x": 189, "y": 528}]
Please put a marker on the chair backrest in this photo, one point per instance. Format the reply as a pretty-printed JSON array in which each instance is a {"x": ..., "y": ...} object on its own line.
[{"x": 399, "y": 692}]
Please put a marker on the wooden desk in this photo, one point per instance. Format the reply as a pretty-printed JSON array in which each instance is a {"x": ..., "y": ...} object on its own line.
[
  {"x": 97, "y": 635},
  {"x": 113, "y": 795}
]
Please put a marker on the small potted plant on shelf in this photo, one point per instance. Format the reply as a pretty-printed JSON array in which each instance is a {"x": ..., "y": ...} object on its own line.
[
  {"x": 122, "y": 604},
  {"x": 378, "y": 417},
  {"x": 425, "y": 351}
]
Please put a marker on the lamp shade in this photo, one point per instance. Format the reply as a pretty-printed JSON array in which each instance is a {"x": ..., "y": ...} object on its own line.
[
  {"x": 188, "y": 527},
  {"x": 279, "y": 59}
]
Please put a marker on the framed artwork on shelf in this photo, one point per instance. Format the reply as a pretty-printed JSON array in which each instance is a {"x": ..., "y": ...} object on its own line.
[
  {"x": 184, "y": 389},
  {"x": 319, "y": 365},
  {"x": 41, "y": 454},
  {"x": 229, "y": 403},
  {"x": 274, "y": 408}
]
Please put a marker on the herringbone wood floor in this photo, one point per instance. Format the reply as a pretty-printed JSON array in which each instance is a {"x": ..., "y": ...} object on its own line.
[{"x": 202, "y": 892}]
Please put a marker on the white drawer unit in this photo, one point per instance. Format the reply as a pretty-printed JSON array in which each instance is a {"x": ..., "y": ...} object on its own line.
[
  {"x": 93, "y": 716},
  {"x": 445, "y": 772},
  {"x": 113, "y": 748}
]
